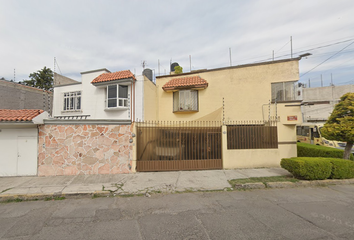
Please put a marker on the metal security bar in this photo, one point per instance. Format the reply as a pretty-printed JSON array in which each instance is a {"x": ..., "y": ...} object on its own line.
[
  {"x": 252, "y": 134},
  {"x": 178, "y": 145}
]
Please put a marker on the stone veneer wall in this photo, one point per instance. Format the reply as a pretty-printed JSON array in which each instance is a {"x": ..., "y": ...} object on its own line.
[{"x": 84, "y": 149}]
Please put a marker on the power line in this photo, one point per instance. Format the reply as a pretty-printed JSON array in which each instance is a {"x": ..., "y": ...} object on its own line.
[{"x": 327, "y": 59}]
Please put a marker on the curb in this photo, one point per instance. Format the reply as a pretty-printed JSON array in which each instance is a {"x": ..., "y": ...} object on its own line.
[
  {"x": 301, "y": 183},
  {"x": 246, "y": 186}
]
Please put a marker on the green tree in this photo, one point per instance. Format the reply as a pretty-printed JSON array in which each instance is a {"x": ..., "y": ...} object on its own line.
[
  {"x": 340, "y": 125},
  {"x": 42, "y": 79},
  {"x": 178, "y": 70}
]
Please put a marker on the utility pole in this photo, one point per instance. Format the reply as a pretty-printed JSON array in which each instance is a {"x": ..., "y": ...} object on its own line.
[
  {"x": 273, "y": 55},
  {"x": 291, "y": 45},
  {"x": 230, "y": 57},
  {"x": 309, "y": 83},
  {"x": 321, "y": 81},
  {"x": 190, "y": 63},
  {"x": 158, "y": 66}
]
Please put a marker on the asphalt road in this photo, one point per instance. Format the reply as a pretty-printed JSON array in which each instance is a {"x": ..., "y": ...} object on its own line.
[{"x": 298, "y": 213}]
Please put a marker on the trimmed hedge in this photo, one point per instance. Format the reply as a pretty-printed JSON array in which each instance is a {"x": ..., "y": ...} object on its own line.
[
  {"x": 341, "y": 168},
  {"x": 308, "y": 168},
  {"x": 310, "y": 150}
]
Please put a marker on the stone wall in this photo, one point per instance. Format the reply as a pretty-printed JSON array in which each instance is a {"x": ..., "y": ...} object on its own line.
[{"x": 84, "y": 149}]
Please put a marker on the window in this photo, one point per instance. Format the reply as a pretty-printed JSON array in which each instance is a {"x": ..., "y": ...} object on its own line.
[
  {"x": 283, "y": 91},
  {"x": 117, "y": 96},
  {"x": 185, "y": 100},
  {"x": 72, "y": 101}
]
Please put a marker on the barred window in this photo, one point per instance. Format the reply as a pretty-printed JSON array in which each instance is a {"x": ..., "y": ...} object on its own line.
[
  {"x": 283, "y": 91},
  {"x": 72, "y": 101},
  {"x": 185, "y": 100}
]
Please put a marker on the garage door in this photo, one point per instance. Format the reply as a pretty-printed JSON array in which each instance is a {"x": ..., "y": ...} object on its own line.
[{"x": 18, "y": 148}]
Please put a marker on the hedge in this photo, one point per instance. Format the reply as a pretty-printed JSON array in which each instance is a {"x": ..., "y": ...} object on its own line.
[
  {"x": 310, "y": 150},
  {"x": 308, "y": 168},
  {"x": 341, "y": 168}
]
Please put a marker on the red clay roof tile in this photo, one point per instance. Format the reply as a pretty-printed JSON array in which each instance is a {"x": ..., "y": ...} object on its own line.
[
  {"x": 106, "y": 77},
  {"x": 185, "y": 82},
  {"x": 23, "y": 115}
]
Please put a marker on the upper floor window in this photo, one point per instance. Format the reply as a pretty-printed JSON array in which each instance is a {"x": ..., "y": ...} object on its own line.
[
  {"x": 72, "y": 101},
  {"x": 185, "y": 100},
  {"x": 283, "y": 91},
  {"x": 117, "y": 96}
]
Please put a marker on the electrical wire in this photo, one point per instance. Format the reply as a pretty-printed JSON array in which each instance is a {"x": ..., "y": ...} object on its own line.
[{"x": 327, "y": 59}]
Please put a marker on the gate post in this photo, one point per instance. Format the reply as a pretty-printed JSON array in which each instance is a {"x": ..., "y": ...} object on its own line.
[
  {"x": 134, "y": 150},
  {"x": 224, "y": 145}
]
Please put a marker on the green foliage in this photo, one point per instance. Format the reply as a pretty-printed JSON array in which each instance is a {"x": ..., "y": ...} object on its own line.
[
  {"x": 340, "y": 125},
  {"x": 310, "y": 150},
  {"x": 178, "y": 70},
  {"x": 341, "y": 168},
  {"x": 42, "y": 79},
  {"x": 307, "y": 168},
  {"x": 312, "y": 168}
]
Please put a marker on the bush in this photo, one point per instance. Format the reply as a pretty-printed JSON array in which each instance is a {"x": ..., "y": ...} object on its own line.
[
  {"x": 307, "y": 168},
  {"x": 310, "y": 150},
  {"x": 341, "y": 168}
]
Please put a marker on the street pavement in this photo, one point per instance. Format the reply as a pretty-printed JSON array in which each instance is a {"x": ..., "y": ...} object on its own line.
[
  {"x": 290, "y": 213},
  {"x": 136, "y": 183}
]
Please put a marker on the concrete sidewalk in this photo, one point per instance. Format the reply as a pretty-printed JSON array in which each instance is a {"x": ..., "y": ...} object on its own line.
[{"x": 137, "y": 183}]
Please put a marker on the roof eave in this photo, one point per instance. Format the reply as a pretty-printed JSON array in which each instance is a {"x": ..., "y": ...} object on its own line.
[{"x": 110, "y": 82}]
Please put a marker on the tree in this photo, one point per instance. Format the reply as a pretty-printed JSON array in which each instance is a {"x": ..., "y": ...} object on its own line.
[
  {"x": 178, "y": 70},
  {"x": 42, "y": 79},
  {"x": 340, "y": 125}
]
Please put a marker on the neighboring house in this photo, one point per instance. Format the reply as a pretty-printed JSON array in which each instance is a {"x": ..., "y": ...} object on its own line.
[
  {"x": 14, "y": 95},
  {"x": 240, "y": 98},
  {"x": 319, "y": 102},
  {"x": 62, "y": 80},
  {"x": 19, "y": 141},
  {"x": 91, "y": 130}
]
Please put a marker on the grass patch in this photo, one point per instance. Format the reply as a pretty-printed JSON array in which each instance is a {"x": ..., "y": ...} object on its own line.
[{"x": 263, "y": 180}]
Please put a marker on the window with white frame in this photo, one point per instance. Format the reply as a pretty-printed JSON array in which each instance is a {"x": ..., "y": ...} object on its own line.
[
  {"x": 72, "y": 101},
  {"x": 185, "y": 100},
  {"x": 283, "y": 91},
  {"x": 117, "y": 96}
]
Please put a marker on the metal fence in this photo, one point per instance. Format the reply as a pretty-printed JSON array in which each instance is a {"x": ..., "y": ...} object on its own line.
[
  {"x": 178, "y": 145},
  {"x": 252, "y": 134}
]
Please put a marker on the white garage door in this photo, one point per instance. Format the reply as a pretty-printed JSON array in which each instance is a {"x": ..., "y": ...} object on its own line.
[{"x": 18, "y": 152}]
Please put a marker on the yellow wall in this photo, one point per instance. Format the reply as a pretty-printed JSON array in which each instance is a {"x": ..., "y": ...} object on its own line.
[
  {"x": 246, "y": 92},
  {"x": 150, "y": 100},
  {"x": 244, "y": 89}
]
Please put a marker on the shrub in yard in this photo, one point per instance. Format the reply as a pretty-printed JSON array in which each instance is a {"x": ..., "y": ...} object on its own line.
[
  {"x": 341, "y": 168},
  {"x": 307, "y": 168},
  {"x": 309, "y": 150}
]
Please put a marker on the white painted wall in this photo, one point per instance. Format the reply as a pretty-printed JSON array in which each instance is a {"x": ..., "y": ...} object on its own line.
[
  {"x": 18, "y": 151},
  {"x": 139, "y": 98},
  {"x": 93, "y": 99}
]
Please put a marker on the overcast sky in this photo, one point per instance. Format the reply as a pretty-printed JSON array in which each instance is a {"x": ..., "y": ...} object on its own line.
[{"x": 118, "y": 35}]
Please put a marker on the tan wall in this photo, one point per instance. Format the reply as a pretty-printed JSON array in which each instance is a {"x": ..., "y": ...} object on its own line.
[
  {"x": 62, "y": 80},
  {"x": 150, "y": 100},
  {"x": 244, "y": 90}
]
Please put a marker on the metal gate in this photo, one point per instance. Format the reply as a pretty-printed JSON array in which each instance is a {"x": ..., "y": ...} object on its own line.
[{"x": 174, "y": 146}]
